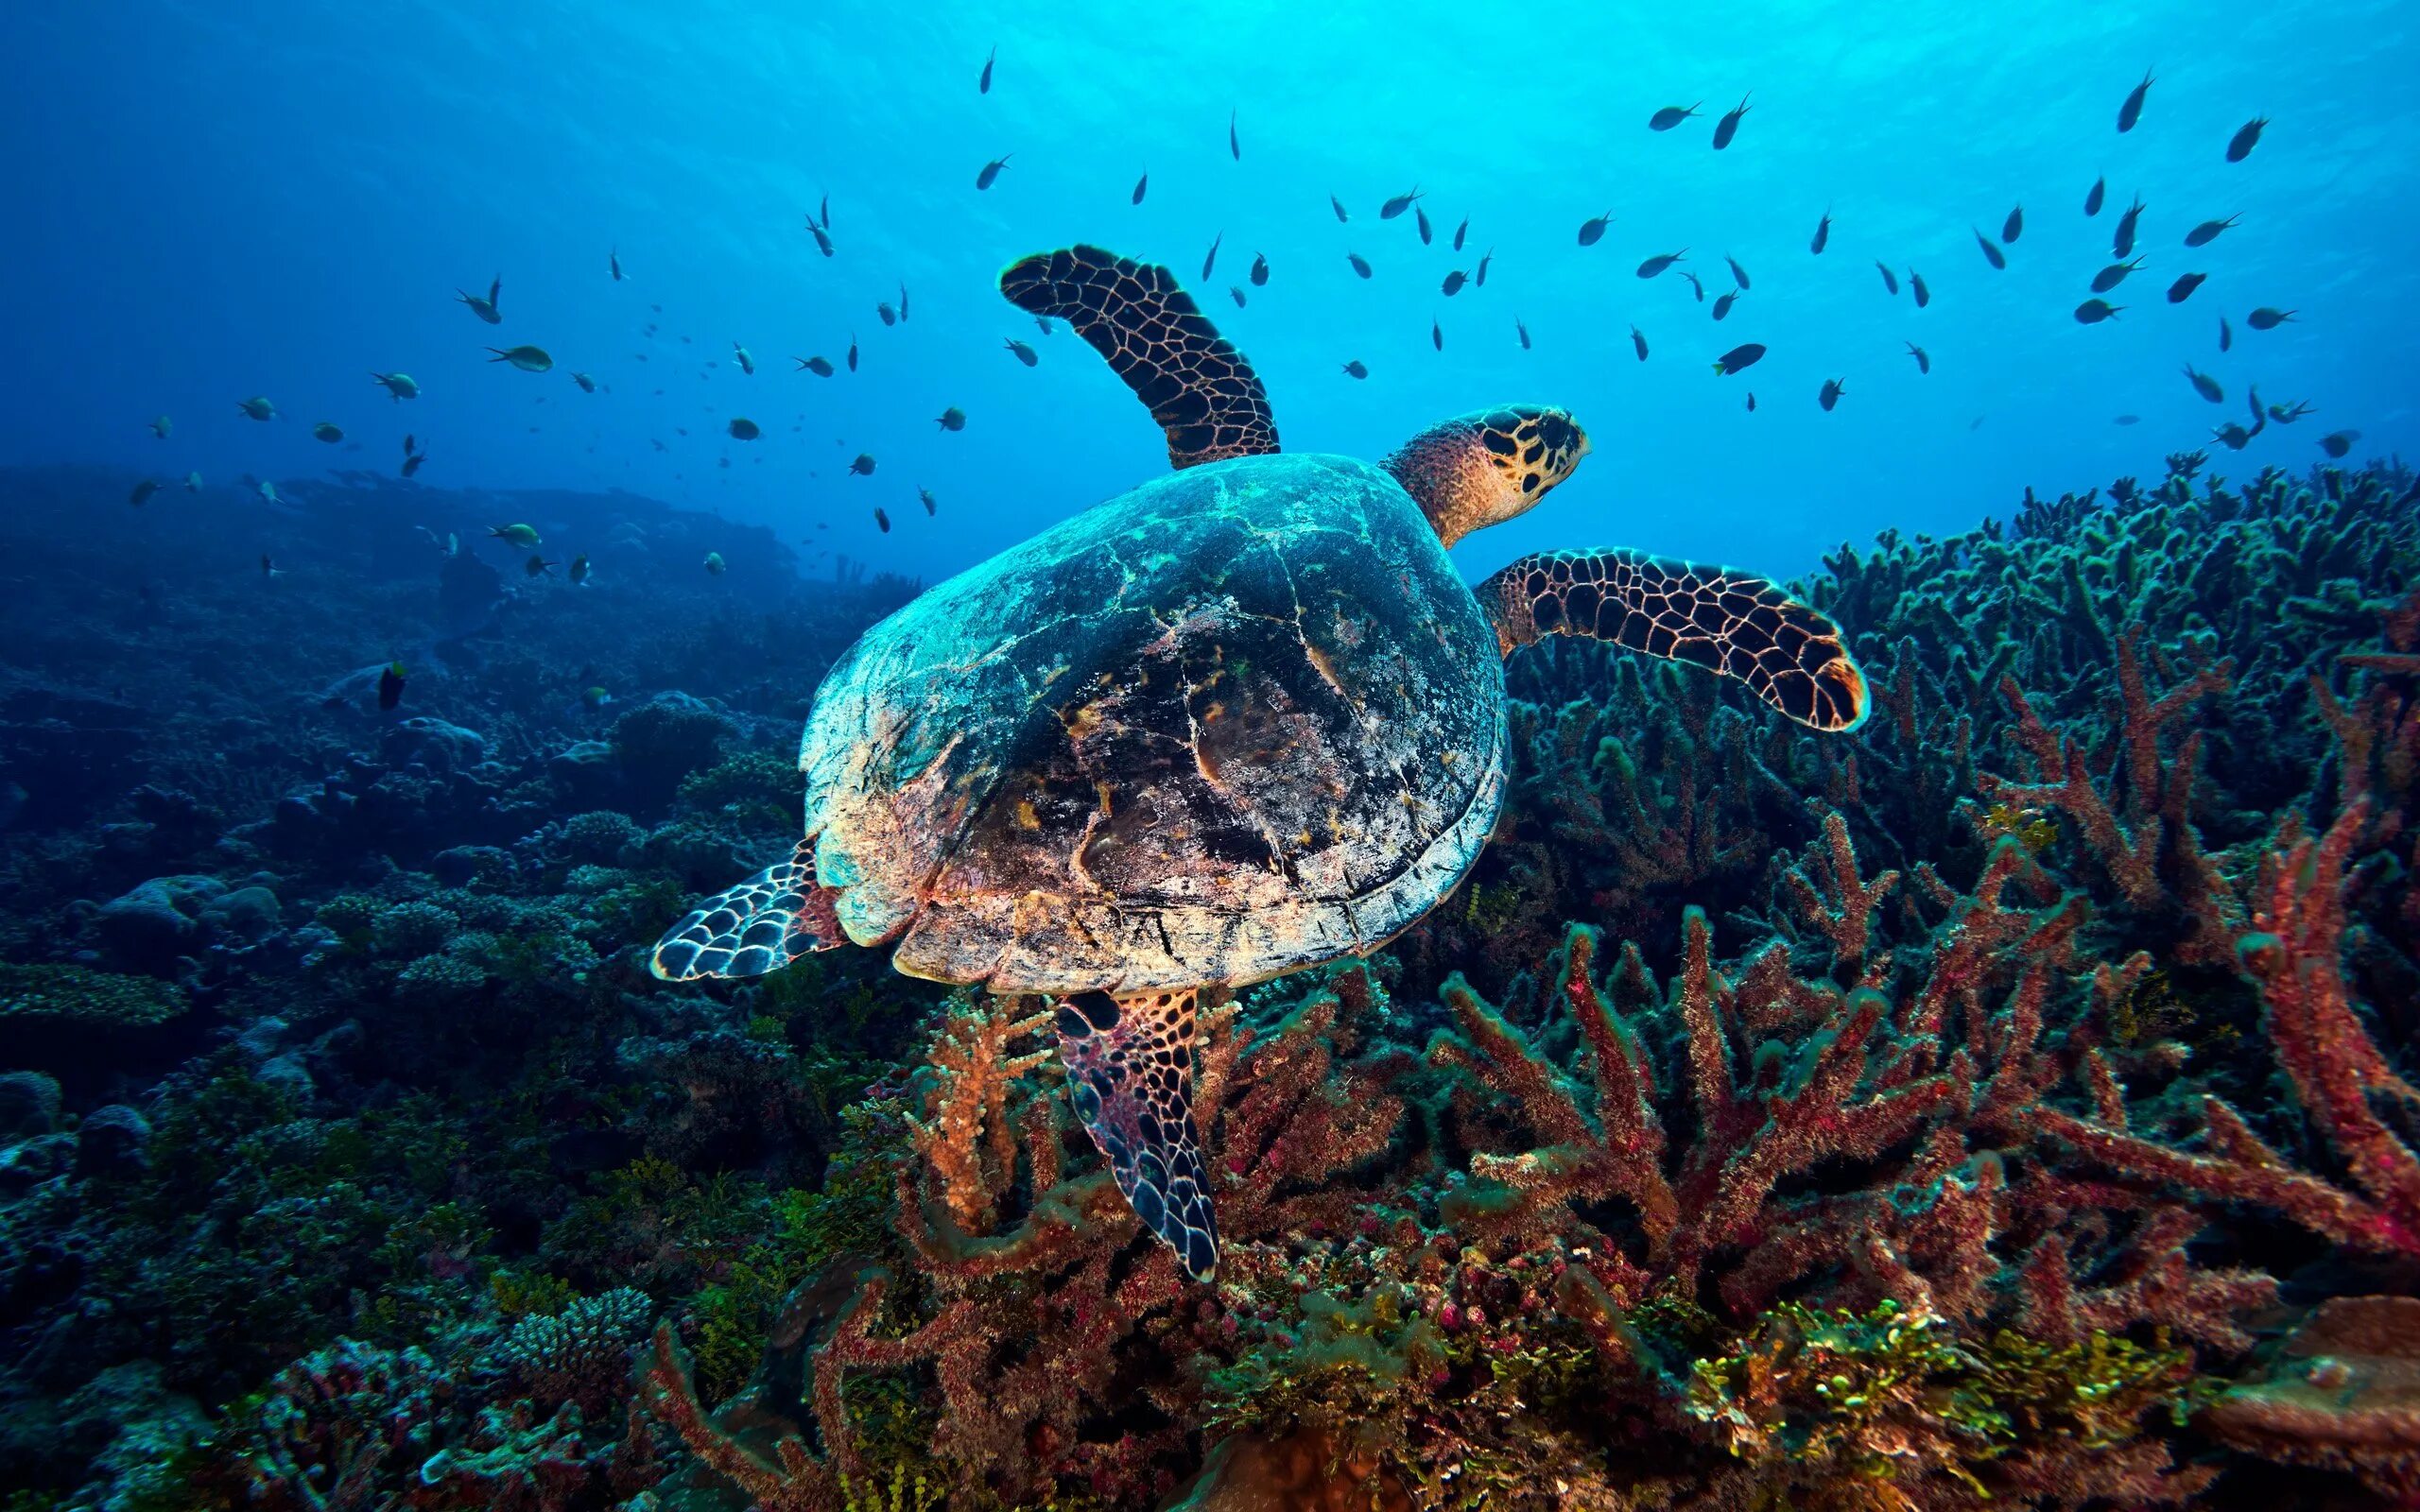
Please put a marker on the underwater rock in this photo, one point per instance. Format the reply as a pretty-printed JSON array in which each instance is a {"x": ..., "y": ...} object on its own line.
[
  {"x": 113, "y": 1142},
  {"x": 1300, "y": 1471},
  {"x": 663, "y": 740},
  {"x": 433, "y": 745},
  {"x": 468, "y": 592},
  {"x": 146, "y": 927},
  {"x": 28, "y": 1106}
]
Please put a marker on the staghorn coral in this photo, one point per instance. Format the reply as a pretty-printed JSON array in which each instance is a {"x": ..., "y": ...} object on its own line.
[{"x": 580, "y": 1354}]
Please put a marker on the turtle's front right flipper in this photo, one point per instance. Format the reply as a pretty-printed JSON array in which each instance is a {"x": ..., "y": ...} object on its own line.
[
  {"x": 1129, "y": 1074},
  {"x": 1197, "y": 385},
  {"x": 1734, "y": 623},
  {"x": 760, "y": 927}
]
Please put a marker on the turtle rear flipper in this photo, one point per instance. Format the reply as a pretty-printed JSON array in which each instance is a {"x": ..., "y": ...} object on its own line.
[
  {"x": 1734, "y": 623},
  {"x": 1129, "y": 1074},
  {"x": 759, "y": 927},
  {"x": 1195, "y": 383}
]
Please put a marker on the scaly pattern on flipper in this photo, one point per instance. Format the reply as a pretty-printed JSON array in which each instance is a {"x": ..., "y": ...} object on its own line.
[
  {"x": 1129, "y": 1074},
  {"x": 1195, "y": 383},
  {"x": 759, "y": 927},
  {"x": 1728, "y": 622}
]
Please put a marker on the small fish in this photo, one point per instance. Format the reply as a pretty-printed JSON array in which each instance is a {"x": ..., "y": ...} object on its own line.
[
  {"x": 713, "y": 564},
  {"x": 1141, "y": 185},
  {"x": 2205, "y": 385},
  {"x": 614, "y": 263},
  {"x": 952, "y": 418},
  {"x": 1259, "y": 269},
  {"x": 143, "y": 492},
  {"x": 399, "y": 386},
  {"x": 924, "y": 497},
  {"x": 596, "y": 697},
  {"x": 528, "y": 359},
  {"x": 983, "y": 82},
  {"x": 819, "y": 365},
  {"x": 2132, "y": 111},
  {"x": 902, "y": 303},
  {"x": 2114, "y": 274},
  {"x": 853, "y": 351},
  {"x": 2338, "y": 442},
  {"x": 2247, "y": 136},
  {"x": 1822, "y": 233},
  {"x": 1360, "y": 265},
  {"x": 2183, "y": 288},
  {"x": 1041, "y": 320},
  {"x": 1991, "y": 253},
  {"x": 2122, "y": 245},
  {"x": 326, "y": 432},
  {"x": 744, "y": 429},
  {"x": 412, "y": 462},
  {"x": 1639, "y": 342},
  {"x": 538, "y": 567},
  {"x": 1235, "y": 292},
  {"x": 1659, "y": 263},
  {"x": 1728, "y": 127},
  {"x": 1590, "y": 231},
  {"x": 2259, "y": 417},
  {"x": 2206, "y": 232},
  {"x": 1738, "y": 274},
  {"x": 485, "y": 309},
  {"x": 1744, "y": 355},
  {"x": 579, "y": 568},
  {"x": 2128, "y": 419},
  {"x": 1924, "y": 363},
  {"x": 2226, "y": 335},
  {"x": 863, "y": 465},
  {"x": 2094, "y": 196},
  {"x": 2232, "y": 436},
  {"x": 1752, "y": 401},
  {"x": 390, "y": 685},
  {"x": 1234, "y": 148},
  {"x": 268, "y": 491},
  {"x": 193, "y": 482},
  {"x": 1420, "y": 217},
  {"x": 1337, "y": 205},
  {"x": 1212, "y": 259},
  {"x": 2092, "y": 312},
  {"x": 1479, "y": 277},
  {"x": 1890, "y": 279},
  {"x": 159, "y": 426},
  {"x": 1024, "y": 353},
  {"x": 1394, "y": 207},
  {"x": 2288, "y": 414},
  {"x": 1355, "y": 370},
  {"x": 587, "y": 384},
  {"x": 1833, "y": 390},
  {"x": 1521, "y": 331},
  {"x": 1454, "y": 281},
  {"x": 1723, "y": 303},
  {"x": 1671, "y": 116},
  {"x": 1436, "y": 335},
  {"x": 992, "y": 171},
  {"x": 882, "y": 520},
  {"x": 822, "y": 238},
  {"x": 1695, "y": 288},
  {"x": 257, "y": 407},
  {"x": 2267, "y": 319},
  {"x": 887, "y": 313},
  {"x": 1461, "y": 231}
]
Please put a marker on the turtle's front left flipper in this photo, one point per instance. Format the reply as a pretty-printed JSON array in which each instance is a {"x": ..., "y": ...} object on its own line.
[
  {"x": 1729, "y": 622},
  {"x": 1129, "y": 1074}
]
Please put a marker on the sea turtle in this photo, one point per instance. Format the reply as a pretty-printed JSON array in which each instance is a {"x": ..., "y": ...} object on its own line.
[{"x": 1240, "y": 720}]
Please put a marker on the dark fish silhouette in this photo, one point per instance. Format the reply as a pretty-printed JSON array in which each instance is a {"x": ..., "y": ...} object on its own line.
[
  {"x": 1436, "y": 335},
  {"x": 903, "y": 301},
  {"x": 2114, "y": 274},
  {"x": 1420, "y": 217},
  {"x": 1212, "y": 259},
  {"x": 1728, "y": 127},
  {"x": 2247, "y": 136},
  {"x": 1916, "y": 285},
  {"x": 853, "y": 351},
  {"x": 1752, "y": 401},
  {"x": 1832, "y": 390},
  {"x": 1723, "y": 303},
  {"x": 2092, "y": 312},
  {"x": 1461, "y": 231},
  {"x": 1259, "y": 269},
  {"x": 983, "y": 85},
  {"x": 1359, "y": 264},
  {"x": 1479, "y": 277},
  {"x": 864, "y": 465},
  {"x": 2288, "y": 414},
  {"x": 1822, "y": 233},
  {"x": 1738, "y": 274},
  {"x": 1695, "y": 288},
  {"x": 1454, "y": 281},
  {"x": 2206, "y": 232},
  {"x": 1397, "y": 205},
  {"x": 2183, "y": 288},
  {"x": 1743, "y": 355},
  {"x": 882, "y": 520},
  {"x": 1521, "y": 331},
  {"x": 1638, "y": 341},
  {"x": 1991, "y": 253},
  {"x": 952, "y": 418},
  {"x": 821, "y": 366},
  {"x": 2205, "y": 385},
  {"x": 924, "y": 497},
  {"x": 2267, "y": 319},
  {"x": 1354, "y": 369},
  {"x": 1671, "y": 116},
  {"x": 1024, "y": 353},
  {"x": 2093, "y": 197},
  {"x": 992, "y": 171},
  {"x": 1337, "y": 205},
  {"x": 1924, "y": 363},
  {"x": 1658, "y": 263},
  {"x": 2013, "y": 225},
  {"x": 1590, "y": 231},
  {"x": 1890, "y": 279},
  {"x": 1141, "y": 186},
  {"x": 1234, "y": 148},
  {"x": 2335, "y": 444},
  {"x": 390, "y": 681},
  {"x": 2128, "y": 419},
  {"x": 2226, "y": 335},
  {"x": 889, "y": 315},
  {"x": 1236, "y": 293},
  {"x": 2122, "y": 245},
  {"x": 2132, "y": 111},
  {"x": 614, "y": 263}
]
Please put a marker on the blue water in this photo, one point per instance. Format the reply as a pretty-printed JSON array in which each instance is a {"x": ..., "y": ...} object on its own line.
[{"x": 209, "y": 202}]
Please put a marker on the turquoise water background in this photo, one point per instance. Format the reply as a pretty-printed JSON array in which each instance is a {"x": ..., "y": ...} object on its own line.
[{"x": 216, "y": 201}]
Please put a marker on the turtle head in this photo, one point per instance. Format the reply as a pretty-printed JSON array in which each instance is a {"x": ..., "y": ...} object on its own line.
[{"x": 1483, "y": 467}]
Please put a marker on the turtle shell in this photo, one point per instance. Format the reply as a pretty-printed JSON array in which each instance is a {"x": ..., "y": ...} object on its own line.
[{"x": 1244, "y": 719}]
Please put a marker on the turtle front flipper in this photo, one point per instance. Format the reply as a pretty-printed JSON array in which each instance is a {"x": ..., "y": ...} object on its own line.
[
  {"x": 1197, "y": 385},
  {"x": 1729, "y": 622},
  {"x": 759, "y": 927},
  {"x": 1129, "y": 1074}
]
